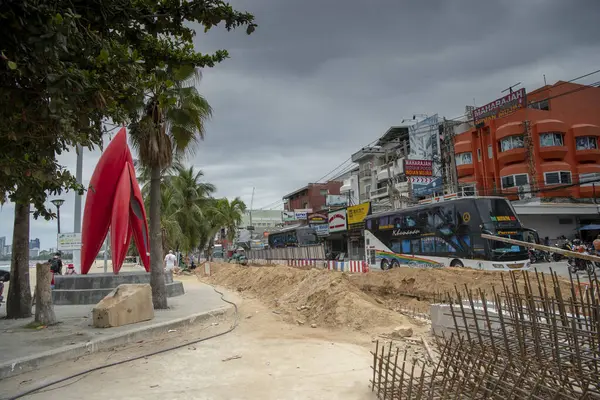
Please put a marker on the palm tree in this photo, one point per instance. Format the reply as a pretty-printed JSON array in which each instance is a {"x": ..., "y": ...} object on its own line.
[
  {"x": 170, "y": 122},
  {"x": 231, "y": 213}
]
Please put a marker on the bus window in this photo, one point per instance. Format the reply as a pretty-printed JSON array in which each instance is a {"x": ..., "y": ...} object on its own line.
[
  {"x": 406, "y": 246},
  {"x": 416, "y": 246},
  {"x": 409, "y": 221},
  {"x": 396, "y": 246},
  {"x": 428, "y": 245}
]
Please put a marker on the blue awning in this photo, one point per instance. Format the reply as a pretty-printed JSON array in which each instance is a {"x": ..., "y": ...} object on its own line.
[{"x": 591, "y": 227}]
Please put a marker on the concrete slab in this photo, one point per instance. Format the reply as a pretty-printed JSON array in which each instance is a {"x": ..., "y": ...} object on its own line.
[
  {"x": 127, "y": 304},
  {"x": 23, "y": 349}
]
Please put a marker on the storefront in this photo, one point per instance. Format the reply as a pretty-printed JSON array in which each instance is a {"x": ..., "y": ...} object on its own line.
[
  {"x": 336, "y": 244},
  {"x": 356, "y": 230}
]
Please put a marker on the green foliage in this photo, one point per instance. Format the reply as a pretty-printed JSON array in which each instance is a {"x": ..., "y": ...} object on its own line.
[
  {"x": 190, "y": 216},
  {"x": 67, "y": 66}
]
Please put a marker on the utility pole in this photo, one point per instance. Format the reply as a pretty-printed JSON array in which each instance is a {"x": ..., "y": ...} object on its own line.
[
  {"x": 392, "y": 191},
  {"x": 77, "y": 216}
]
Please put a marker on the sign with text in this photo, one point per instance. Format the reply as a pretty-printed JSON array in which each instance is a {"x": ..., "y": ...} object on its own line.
[
  {"x": 357, "y": 214},
  {"x": 499, "y": 108},
  {"x": 337, "y": 221},
  {"x": 321, "y": 229},
  {"x": 69, "y": 241},
  {"x": 302, "y": 213},
  {"x": 336, "y": 200},
  {"x": 288, "y": 216},
  {"x": 317, "y": 218},
  {"x": 418, "y": 167}
]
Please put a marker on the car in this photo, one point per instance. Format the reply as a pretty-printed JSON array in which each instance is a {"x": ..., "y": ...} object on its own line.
[{"x": 5, "y": 273}]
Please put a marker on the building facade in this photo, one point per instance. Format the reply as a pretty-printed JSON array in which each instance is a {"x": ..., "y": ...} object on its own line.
[
  {"x": 2, "y": 245},
  {"x": 546, "y": 152},
  {"x": 313, "y": 196}
]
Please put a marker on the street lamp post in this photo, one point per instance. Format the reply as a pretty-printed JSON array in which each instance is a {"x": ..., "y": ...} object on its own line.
[{"x": 58, "y": 203}]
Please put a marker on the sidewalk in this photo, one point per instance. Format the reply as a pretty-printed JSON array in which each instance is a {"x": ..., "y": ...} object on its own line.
[{"x": 23, "y": 349}]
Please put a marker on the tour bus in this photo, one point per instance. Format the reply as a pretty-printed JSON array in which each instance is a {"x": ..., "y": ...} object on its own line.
[
  {"x": 447, "y": 233},
  {"x": 293, "y": 236}
]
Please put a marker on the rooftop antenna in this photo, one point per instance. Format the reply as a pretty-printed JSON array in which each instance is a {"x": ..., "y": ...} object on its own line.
[
  {"x": 545, "y": 80},
  {"x": 510, "y": 88}
]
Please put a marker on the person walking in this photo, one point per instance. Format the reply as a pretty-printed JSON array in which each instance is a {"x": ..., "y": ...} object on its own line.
[
  {"x": 56, "y": 264},
  {"x": 596, "y": 244},
  {"x": 170, "y": 261}
]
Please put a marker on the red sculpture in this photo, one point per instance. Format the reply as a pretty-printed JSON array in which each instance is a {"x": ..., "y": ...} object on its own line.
[{"x": 114, "y": 200}]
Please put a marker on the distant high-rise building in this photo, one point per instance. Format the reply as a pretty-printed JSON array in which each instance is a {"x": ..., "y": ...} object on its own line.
[
  {"x": 2, "y": 245},
  {"x": 34, "y": 243}
]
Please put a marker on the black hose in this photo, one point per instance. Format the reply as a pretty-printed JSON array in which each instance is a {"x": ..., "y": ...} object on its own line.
[{"x": 113, "y": 364}]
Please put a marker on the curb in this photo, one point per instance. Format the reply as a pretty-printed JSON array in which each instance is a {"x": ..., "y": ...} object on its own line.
[{"x": 25, "y": 364}]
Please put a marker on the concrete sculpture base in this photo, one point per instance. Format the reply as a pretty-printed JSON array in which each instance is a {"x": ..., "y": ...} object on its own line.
[
  {"x": 127, "y": 304},
  {"x": 91, "y": 288}
]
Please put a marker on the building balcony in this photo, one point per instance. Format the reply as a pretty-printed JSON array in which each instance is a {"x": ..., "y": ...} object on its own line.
[
  {"x": 366, "y": 152},
  {"x": 465, "y": 170},
  {"x": 553, "y": 152},
  {"x": 379, "y": 193},
  {"x": 346, "y": 186},
  {"x": 365, "y": 173},
  {"x": 512, "y": 156},
  {"x": 588, "y": 155}
]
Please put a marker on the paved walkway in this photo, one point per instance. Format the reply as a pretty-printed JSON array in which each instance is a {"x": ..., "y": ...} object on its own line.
[{"x": 75, "y": 323}]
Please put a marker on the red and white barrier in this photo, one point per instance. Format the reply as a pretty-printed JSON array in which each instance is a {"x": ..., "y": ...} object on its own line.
[
  {"x": 348, "y": 266},
  {"x": 302, "y": 263}
]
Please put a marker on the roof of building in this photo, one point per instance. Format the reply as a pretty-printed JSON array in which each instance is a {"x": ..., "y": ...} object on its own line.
[{"x": 393, "y": 133}]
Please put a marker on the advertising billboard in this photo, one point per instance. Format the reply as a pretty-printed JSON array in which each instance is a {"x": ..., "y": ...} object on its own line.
[
  {"x": 499, "y": 108},
  {"x": 302, "y": 213},
  {"x": 356, "y": 215},
  {"x": 424, "y": 138},
  {"x": 336, "y": 200},
  {"x": 337, "y": 221},
  {"x": 418, "y": 167},
  {"x": 321, "y": 229},
  {"x": 288, "y": 216},
  {"x": 426, "y": 186}
]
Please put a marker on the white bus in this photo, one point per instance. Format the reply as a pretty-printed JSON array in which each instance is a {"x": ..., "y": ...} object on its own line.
[{"x": 447, "y": 233}]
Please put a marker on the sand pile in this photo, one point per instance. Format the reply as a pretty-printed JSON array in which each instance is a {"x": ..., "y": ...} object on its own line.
[{"x": 309, "y": 296}]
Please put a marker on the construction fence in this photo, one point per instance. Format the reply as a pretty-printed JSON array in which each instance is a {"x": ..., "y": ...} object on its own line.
[
  {"x": 530, "y": 340},
  {"x": 308, "y": 256}
]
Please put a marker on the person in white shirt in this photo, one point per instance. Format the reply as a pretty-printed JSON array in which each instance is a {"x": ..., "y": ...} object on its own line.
[{"x": 170, "y": 261}]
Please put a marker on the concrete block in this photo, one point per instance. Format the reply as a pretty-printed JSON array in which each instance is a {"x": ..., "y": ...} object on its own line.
[{"x": 127, "y": 304}]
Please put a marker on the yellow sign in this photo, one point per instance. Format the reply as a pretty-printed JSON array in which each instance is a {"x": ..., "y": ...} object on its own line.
[
  {"x": 466, "y": 217},
  {"x": 357, "y": 214}
]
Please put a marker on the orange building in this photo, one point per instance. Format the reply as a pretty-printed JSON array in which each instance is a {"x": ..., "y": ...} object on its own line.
[
  {"x": 550, "y": 149},
  {"x": 558, "y": 146}
]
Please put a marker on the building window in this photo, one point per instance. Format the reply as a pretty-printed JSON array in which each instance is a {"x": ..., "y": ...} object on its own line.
[
  {"x": 558, "y": 177},
  {"x": 590, "y": 179},
  {"x": 551, "y": 139},
  {"x": 510, "y": 181},
  {"x": 324, "y": 192},
  {"x": 512, "y": 142},
  {"x": 478, "y": 154},
  {"x": 468, "y": 190},
  {"x": 586, "y": 143},
  {"x": 540, "y": 105},
  {"x": 490, "y": 152},
  {"x": 464, "y": 158}
]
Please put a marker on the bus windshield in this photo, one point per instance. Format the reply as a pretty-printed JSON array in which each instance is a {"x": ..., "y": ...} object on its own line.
[
  {"x": 496, "y": 213},
  {"x": 506, "y": 251}
]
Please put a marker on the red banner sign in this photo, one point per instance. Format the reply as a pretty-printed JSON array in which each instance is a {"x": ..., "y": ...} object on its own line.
[
  {"x": 500, "y": 108},
  {"x": 418, "y": 167}
]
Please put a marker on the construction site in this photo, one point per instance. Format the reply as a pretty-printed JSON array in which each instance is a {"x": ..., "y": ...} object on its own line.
[{"x": 447, "y": 333}]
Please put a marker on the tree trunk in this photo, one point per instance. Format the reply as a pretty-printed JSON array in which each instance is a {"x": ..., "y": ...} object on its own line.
[
  {"x": 44, "y": 312},
  {"x": 157, "y": 275},
  {"x": 18, "y": 302}
]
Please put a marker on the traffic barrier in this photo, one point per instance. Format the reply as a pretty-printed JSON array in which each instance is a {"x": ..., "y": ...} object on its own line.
[{"x": 348, "y": 266}]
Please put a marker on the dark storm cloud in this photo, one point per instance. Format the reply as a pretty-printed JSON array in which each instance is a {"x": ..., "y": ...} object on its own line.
[{"x": 318, "y": 80}]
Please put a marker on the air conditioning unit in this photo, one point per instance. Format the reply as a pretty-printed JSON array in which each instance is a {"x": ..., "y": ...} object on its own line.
[{"x": 524, "y": 192}]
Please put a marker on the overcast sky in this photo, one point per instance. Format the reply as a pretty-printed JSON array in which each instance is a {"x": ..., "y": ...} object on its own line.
[{"x": 320, "y": 79}]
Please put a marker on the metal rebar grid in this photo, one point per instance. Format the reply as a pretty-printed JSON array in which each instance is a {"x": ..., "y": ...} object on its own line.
[{"x": 528, "y": 341}]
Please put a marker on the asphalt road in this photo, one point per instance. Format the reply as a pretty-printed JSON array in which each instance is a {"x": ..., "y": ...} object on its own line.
[{"x": 561, "y": 269}]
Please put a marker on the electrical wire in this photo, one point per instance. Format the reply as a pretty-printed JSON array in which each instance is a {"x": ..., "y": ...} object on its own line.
[{"x": 154, "y": 353}]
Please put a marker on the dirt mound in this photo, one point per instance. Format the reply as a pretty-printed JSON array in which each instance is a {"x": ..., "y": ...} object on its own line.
[
  {"x": 309, "y": 296},
  {"x": 428, "y": 283}
]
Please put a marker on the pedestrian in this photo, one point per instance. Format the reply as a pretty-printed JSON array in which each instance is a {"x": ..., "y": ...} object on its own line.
[
  {"x": 56, "y": 264},
  {"x": 547, "y": 241},
  {"x": 170, "y": 261},
  {"x": 597, "y": 245}
]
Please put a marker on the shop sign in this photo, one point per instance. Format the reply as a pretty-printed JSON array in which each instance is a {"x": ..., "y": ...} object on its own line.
[
  {"x": 337, "y": 221},
  {"x": 288, "y": 216},
  {"x": 336, "y": 200},
  {"x": 69, "y": 241},
  {"x": 357, "y": 214},
  {"x": 500, "y": 108},
  {"x": 317, "y": 218},
  {"x": 418, "y": 167},
  {"x": 321, "y": 229}
]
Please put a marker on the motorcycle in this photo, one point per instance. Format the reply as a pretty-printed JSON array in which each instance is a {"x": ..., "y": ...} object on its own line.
[
  {"x": 578, "y": 264},
  {"x": 556, "y": 257},
  {"x": 537, "y": 256}
]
